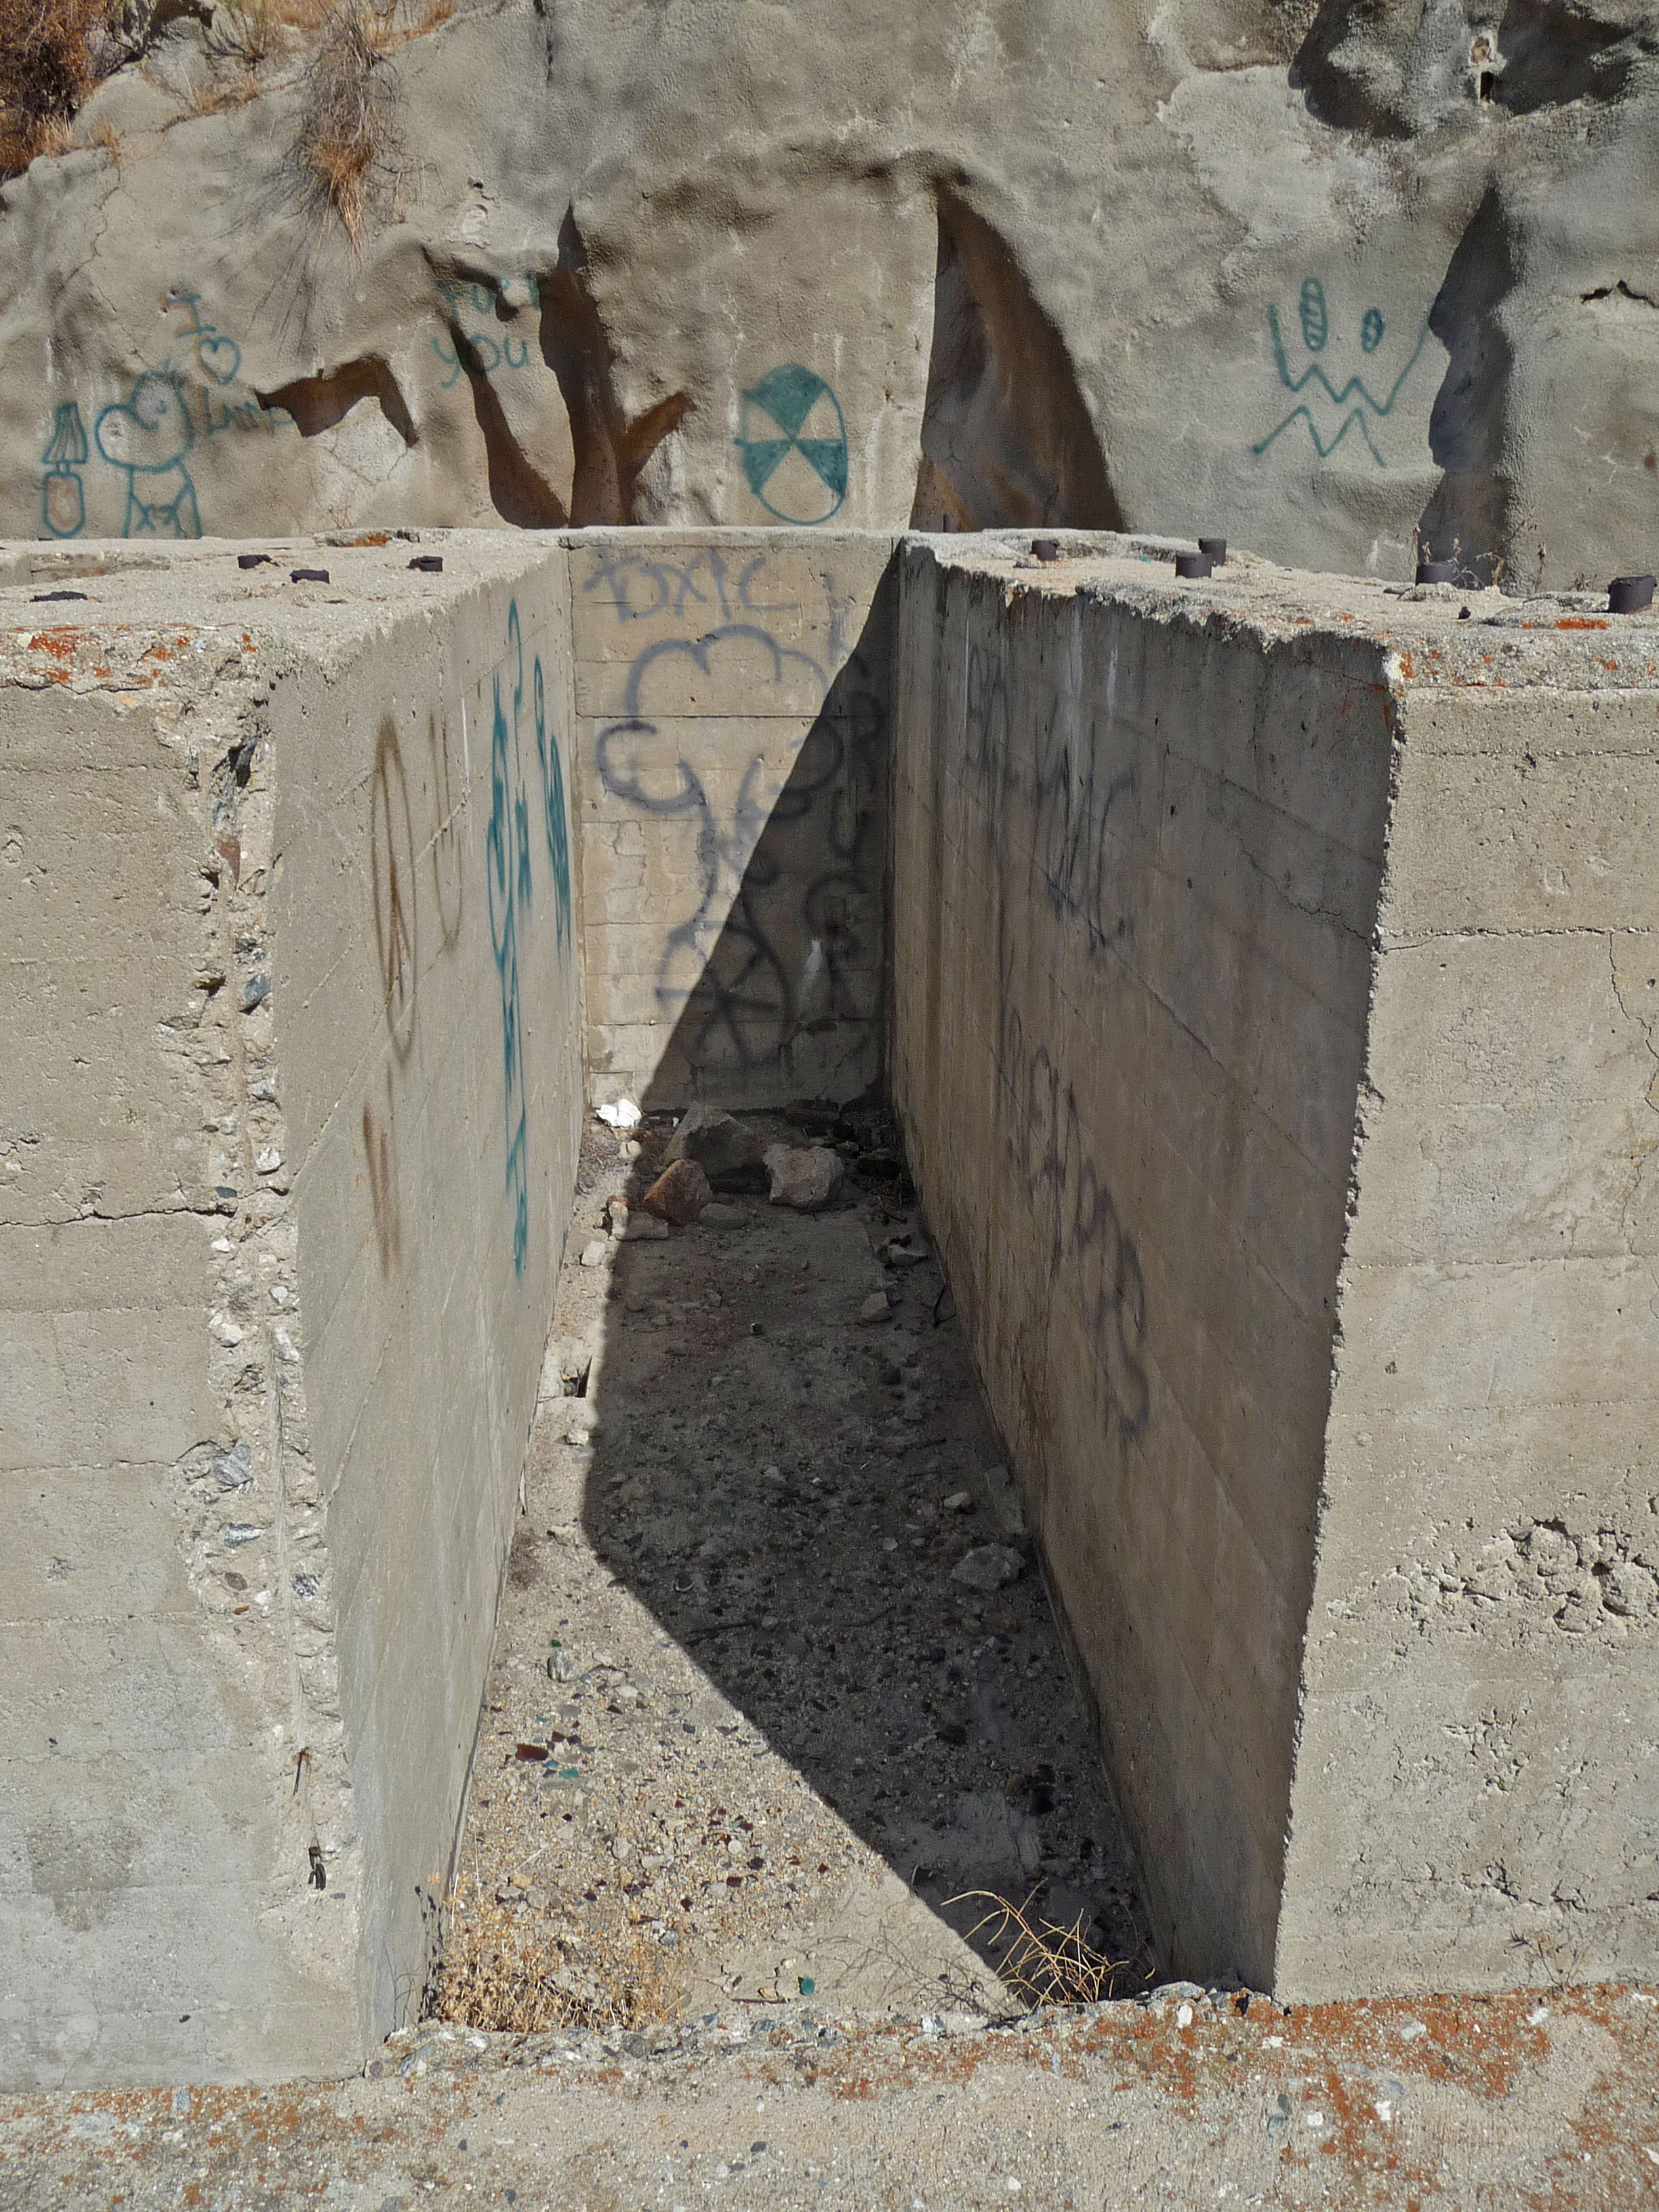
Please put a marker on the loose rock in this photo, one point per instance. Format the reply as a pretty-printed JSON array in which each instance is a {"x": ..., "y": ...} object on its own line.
[
  {"x": 987, "y": 1567},
  {"x": 680, "y": 1194},
  {"x": 806, "y": 1178},
  {"x": 720, "y": 1145},
  {"x": 594, "y": 1250},
  {"x": 716, "y": 1216},
  {"x": 875, "y": 1307}
]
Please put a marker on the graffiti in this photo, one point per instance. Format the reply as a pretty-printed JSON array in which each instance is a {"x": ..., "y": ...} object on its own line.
[
  {"x": 722, "y": 972},
  {"x": 640, "y": 585},
  {"x": 380, "y": 1160},
  {"x": 553, "y": 814},
  {"x": 476, "y": 348},
  {"x": 63, "y": 496},
  {"x": 148, "y": 436},
  {"x": 392, "y": 858},
  {"x": 449, "y": 887},
  {"x": 1071, "y": 798},
  {"x": 794, "y": 443},
  {"x": 508, "y": 873},
  {"x": 1365, "y": 408},
  {"x": 1072, "y": 1206},
  {"x": 218, "y": 357}
]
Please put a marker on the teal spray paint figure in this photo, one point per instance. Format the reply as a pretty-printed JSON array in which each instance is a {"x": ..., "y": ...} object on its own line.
[
  {"x": 148, "y": 438},
  {"x": 62, "y": 496}
]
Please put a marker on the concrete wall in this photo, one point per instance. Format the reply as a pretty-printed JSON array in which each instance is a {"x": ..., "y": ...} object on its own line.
[
  {"x": 286, "y": 1139},
  {"x": 1130, "y": 970},
  {"x": 1201, "y": 1140},
  {"x": 732, "y": 721}
]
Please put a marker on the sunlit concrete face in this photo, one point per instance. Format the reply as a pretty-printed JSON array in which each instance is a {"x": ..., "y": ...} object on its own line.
[{"x": 1262, "y": 969}]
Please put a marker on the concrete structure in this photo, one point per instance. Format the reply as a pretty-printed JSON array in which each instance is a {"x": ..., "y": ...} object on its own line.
[
  {"x": 1262, "y": 974},
  {"x": 287, "y": 1133},
  {"x": 1273, "y": 1032}
]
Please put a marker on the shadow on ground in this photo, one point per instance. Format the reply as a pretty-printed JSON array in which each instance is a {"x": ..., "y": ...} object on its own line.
[{"x": 791, "y": 1488}]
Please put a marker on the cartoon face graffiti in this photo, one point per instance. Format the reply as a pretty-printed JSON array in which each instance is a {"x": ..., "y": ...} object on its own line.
[
  {"x": 1353, "y": 404},
  {"x": 148, "y": 438}
]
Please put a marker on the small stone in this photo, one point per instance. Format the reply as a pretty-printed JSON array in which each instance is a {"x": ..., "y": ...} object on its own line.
[
  {"x": 1630, "y": 1589},
  {"x": 875, "y": 1307},
  {"x": 716, "y": 1216},
  {"x": 594, "y": 1251},
  {"x": 987, "y": 1567},
  {"x": 641, "y": 1228},
  {"x": 806, "y": 1177},
  {"x": 959, "y": 1501},
  {"x": 680, "y": 1194},
  {"x": 269, "y": 1160},
  {"x": 233, "y": 1470}
]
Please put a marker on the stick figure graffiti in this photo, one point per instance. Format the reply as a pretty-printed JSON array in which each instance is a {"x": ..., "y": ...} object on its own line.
[
  {"x": 148, "y": 437},
  {"x": 794, "y": 443},
  {"x": 1364, "y": 409}
]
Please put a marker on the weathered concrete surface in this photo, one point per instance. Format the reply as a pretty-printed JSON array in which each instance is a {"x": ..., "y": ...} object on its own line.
[
  {"x": 1317, "y": 277},
  {"x": 733, "y": 714},
  {"x": 1187, "y": 2102},
  {"x": 1302, "y": 1241},
  {"x": 288, "y": 1122}
]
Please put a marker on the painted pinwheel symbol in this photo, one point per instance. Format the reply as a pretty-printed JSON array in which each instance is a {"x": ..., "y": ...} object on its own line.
[{"x": 793, "y": 444}]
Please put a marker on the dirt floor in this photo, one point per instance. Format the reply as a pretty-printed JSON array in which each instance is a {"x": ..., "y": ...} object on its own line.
[
  {"x": 748, "y": 1733},
  {"x": 749, "y": 1736}
]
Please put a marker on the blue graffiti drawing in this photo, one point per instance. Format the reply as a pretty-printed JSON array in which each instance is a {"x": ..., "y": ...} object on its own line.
[
  {"x": 473, "y": 349},
  {"x": 219, "y": 358},
  {"x": 508, "y": 876},
  {"x": 553, "y": 819},
  {"x": 63, "y": 496},
  {"x": 1364, "y": 407},
  {"x": 504, "y": 871},
  {"x": 794, "y": 443},
  {"x": 148, "y": 437}
]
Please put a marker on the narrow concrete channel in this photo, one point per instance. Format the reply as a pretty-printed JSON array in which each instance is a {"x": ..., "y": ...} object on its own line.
[{"x": 779, "y": 1711}]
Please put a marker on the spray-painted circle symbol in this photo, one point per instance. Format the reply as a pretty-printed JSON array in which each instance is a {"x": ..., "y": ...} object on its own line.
[{"x": 794, "y": 443}]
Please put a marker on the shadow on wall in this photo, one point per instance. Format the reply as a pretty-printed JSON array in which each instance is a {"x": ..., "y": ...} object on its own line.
[
  {"x": 1470, "y": 516},
  {"x": 1005, "y": 436},
  {"x": 486, "y": 343}
]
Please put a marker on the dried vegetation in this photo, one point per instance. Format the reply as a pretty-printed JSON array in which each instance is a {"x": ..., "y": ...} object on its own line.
[
  {"x": 505, "y": 1968},
  {"x": 1045, "y": 1963},
  {"x": 53, "y": 53}
]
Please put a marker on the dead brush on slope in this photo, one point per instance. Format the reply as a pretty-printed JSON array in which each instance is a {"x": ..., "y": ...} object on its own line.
[
  {"x": 348, "y": 150},
  {"x": 1043, "y": 1963},
  {"x": 505, "y": 1967},
  {"x": 53, "y": 53}
]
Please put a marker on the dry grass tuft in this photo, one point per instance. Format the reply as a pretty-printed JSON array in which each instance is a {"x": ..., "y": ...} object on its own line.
[
  {"x": 348, "y": 148},
  {"x": 53, "y": 53},
  {"x": 102, "y": 137},
  {"x": 1043, "y": 1962},
  {"x": 506, "y": 1968}
]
